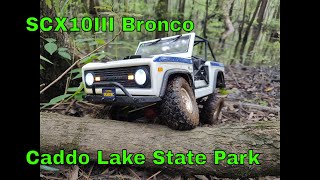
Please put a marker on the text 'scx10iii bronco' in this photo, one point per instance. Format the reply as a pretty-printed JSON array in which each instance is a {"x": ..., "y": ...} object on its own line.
[{"x": 165, "y": 72}]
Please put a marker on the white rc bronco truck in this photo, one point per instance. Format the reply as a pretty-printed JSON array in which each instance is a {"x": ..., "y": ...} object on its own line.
[{"x": 165, "y": 77}]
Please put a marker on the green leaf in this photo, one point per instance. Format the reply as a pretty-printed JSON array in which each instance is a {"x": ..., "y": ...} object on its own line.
[
  {"x": 59, "y": 98},
  {"x": 72, "y": 89},
  {"x": 48, "y": 3},
  {"x": 41, "y": 67},
  {"x": 223, "y": 91},
  {"x": 78, "y": 70},
  {"x": 50, "y": 40},
  {"x": 45, "y": 59},
  {"x": 101, "y": 56},
  {"x": 65, "y": 55},
  {"x": 77, "y": 76},
  {"x": 93, "y": 43},
  {"x": 89, "y": 59},
  {"x": 79, "y": 96},
  {"x": 63, "y": 49},
  {"x": 48, "y": 168},
  {"x": 100, "y": 41},
  {"x": 65, "y": 5},
  {"x": 51, "y": 48},
  {"x": 56, "y": 100},
  {"x": 78, "y": 91}
]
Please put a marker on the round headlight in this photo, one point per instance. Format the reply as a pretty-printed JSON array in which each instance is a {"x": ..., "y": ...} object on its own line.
[
  {"x": 140, "y": 77},
  {"x": 89, "y": 79}
]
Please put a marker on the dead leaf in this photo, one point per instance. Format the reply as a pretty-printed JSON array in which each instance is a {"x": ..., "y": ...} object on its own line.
[
  {"x": 268, "y": 89},
  {"x": 250, "y": 116}
]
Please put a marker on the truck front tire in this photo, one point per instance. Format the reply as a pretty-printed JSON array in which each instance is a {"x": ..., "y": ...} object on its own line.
[{"x": 178, "y": 107}]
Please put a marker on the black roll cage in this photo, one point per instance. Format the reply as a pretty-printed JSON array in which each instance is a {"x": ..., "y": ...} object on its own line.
[{"x": 207, "y": 45}]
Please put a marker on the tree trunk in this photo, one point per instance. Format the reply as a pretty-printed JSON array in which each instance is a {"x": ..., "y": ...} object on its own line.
[
  {"x": 89, "y": 135},
  {"x": 51, "y": 72},
  {"x": 205, "y": 20},
  {"x": 229, "y": 29},
  {"x": 94, "y": 13},
  {"x": 181, "y": 11},
  {"x": 274, "y": 35},
  {"x": 161, "y": 13},
  {"x": 247, "y": 32},
  {"x": 257, "y": 28},
  {"x": 182, "y": 4},
  {"x": 191, "y": 12},
  {"x": 240, "y": 31}
]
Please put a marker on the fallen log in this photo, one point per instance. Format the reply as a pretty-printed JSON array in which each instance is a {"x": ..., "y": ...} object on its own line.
[
  {"x": 88, "y": 135},
  {"x": 254, "y": 106},
  {"x": 259, "y": 107}
]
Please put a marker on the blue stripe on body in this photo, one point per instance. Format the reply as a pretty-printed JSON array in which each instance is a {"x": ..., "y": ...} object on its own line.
[
  {"x": 182, "y": 60},
  {"x": 216, "y": 64},
  {"x": 172, "y": 59}
]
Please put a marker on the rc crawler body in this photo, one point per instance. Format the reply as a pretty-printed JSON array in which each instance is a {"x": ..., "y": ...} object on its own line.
[{"x": 168, "y": 72}]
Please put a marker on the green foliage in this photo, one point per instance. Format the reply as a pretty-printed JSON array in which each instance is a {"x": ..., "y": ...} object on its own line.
[
  {"x": 48, "y": 3},
  {"x": 50, "y": 47},
  {"x": 223, "y": 91},
  {"x": 72, "y": 89},
  {"x": 79, "y": 75},
  {"x": 56, "y": 100},
  {"x": 50, "y": 40},
  {"x": 263, "y": 103},
  {"x": 45, "y": 59},
  {"x": 64, "y": 54}
]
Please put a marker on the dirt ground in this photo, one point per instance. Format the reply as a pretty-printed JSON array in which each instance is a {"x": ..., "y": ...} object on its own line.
[{"x": 251, "y": 94}]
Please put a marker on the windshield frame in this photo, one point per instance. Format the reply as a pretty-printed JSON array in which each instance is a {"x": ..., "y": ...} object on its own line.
[{"x": 187, "y": 54}]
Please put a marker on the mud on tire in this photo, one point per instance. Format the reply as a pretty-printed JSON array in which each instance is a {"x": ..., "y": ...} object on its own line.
[
  {"x": 179, "y": 107},
  {"x": 211, "y": 109}
]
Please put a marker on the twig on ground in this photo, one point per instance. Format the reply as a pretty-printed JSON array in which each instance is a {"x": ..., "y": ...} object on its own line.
[
  {"x": 90, "y": 171},
  {"x": 133, "y": 173},
  {"x": 41, "y": 86},
  {"x": 69, "y": 106},
  {"x": 154, "y": 175},
  {"x": 67, "y": 85},
  {"x": 49, "y": 109},
  {"x": 89, "y": 104}
]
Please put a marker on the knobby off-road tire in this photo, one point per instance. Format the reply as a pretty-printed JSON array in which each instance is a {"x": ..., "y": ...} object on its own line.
[
  {"x": 179, "y": 108},
  {"x": 211, "y": 109}
]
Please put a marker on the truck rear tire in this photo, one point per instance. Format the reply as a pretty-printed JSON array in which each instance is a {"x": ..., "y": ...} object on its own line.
[
  {"x": 211, "y": 109},
  {"x": 178, "y": 107}
]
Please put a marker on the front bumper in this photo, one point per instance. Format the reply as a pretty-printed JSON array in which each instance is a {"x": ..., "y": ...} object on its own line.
[{"x": 127, "y": 99}]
